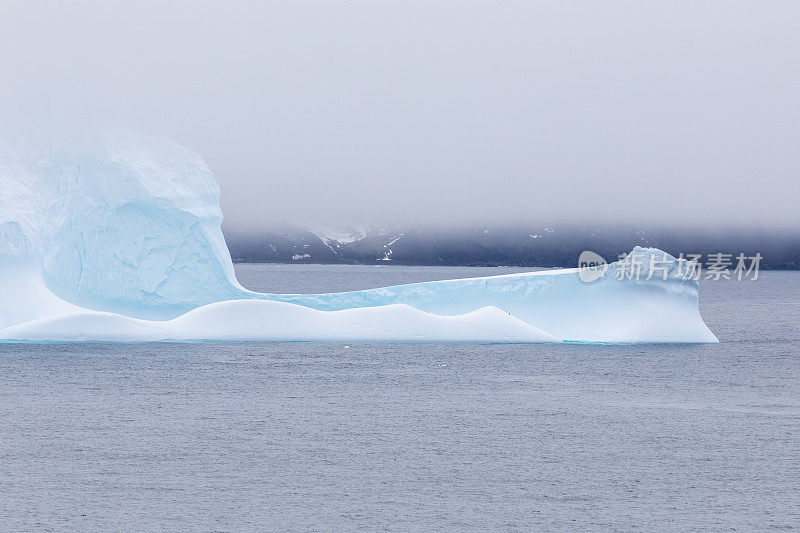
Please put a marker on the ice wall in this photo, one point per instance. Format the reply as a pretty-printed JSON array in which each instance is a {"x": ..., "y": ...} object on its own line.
[{"x": 116, "y": 221}]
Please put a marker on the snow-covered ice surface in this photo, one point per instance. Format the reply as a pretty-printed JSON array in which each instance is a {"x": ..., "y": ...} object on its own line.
[
  {"x": 116, "y": 237},
  {"x": 261, "y": 320}
]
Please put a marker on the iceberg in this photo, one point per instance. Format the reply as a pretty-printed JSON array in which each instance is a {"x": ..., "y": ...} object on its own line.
[{"x": 117, "y": 237}]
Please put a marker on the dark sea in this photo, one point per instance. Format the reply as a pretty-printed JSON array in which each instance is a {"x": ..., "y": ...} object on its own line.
[{"x": 415, "y": 437}]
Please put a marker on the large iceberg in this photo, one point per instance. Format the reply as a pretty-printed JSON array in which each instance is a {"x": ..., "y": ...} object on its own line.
[{"x": 116, "y": 237}]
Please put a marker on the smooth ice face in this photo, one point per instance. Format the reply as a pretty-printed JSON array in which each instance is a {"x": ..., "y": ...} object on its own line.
[
  {"x": 117, "y": 237},
  {"x": 260, "y": 320}
]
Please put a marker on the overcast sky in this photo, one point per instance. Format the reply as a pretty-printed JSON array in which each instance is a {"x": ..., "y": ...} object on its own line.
[{"x": 531, "y": 111}]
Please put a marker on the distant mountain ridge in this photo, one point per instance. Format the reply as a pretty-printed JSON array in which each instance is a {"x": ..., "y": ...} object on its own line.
[{"x": 521, "y": 245}]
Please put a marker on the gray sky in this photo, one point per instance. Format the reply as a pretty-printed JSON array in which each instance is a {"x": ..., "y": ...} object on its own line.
[{"x": 646, "y": 112}]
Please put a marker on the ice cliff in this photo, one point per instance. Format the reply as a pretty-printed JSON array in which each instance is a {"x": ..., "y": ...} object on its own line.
[
  {"x": 116, "y": 237},
  {"x": 120, "y": 222}
]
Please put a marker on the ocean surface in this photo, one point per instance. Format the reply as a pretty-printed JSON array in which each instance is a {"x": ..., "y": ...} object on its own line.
[{"x": 313, "y": 437}]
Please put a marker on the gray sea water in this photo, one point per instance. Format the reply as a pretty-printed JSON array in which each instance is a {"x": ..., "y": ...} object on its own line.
[{"x": 314, "y": 437}]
